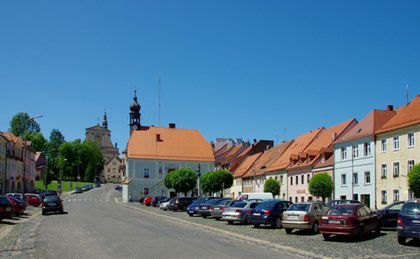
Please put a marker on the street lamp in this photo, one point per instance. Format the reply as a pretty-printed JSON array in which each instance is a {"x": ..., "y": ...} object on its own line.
[{"x": 198, "y": 174}]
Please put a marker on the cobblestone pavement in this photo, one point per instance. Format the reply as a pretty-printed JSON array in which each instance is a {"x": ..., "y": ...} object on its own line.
[{"x": 372, "y": 246}]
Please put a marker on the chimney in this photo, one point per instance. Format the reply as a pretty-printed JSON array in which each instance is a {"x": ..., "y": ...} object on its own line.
[
  {"x": 172, "y": 125},
  {"x": 334, "y": 136},
  {"x": 158, "y": 139},
  {"x": 255, "y": 141},
  {"x": 390, "y": 107}
]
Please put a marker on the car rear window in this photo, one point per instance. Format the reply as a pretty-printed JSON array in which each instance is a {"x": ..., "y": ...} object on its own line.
[
  {"x": 212, "y": 201},
  {"x": 411, "y": 208},
  {"x": 300, "y": 207},
  {"x": 51, "y": 198},
  {"x": 341, "y": 211},
  {"x": 265, "y": 205},
  {"x": 223, "y": 202},
  {"x": 4, "y": 201},
  {"x": 238, "y": 204}
]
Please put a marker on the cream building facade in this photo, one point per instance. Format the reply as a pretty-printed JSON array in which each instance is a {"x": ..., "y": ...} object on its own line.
[{"x": 3, "y": 146}]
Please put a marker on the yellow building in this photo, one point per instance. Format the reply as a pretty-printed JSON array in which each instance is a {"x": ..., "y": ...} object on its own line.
[{"x": 397, "y": 151}]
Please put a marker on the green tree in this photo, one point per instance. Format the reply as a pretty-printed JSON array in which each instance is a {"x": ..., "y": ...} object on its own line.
[
  {"x": 321, "y": 185},
  {"x": 56, "y": 140},
  {"x": 414, "y": 180},
  {"x": 216, "y": 181},
  {"x": 168, "y": 181},
  {"x": 183, "y": 180},
  {"x": 273, "y": 186},
  {"x": 22, "y": 123},
  {"x": 38, "y": 142}
]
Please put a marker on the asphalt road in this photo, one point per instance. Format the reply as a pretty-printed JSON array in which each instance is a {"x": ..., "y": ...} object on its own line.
[{"x": 95, "y": 226}]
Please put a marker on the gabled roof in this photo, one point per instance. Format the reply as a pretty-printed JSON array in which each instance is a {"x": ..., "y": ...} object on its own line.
[
  {"x": 268, "y": 157},
  {"x": 246, "y": 165},
  {"x": 368, "y": 125},
  {"x": 13, "y": 138},
  {"x": 169, "y": 144},
  {"x": 328, "y": 162},
  {"x": 297, "y": 146},
  {"x": 98, "y": 127},
  {"x": 407, "y": 116}
]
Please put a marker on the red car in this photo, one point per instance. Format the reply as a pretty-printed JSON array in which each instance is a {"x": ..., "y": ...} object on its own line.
[
  {"x": 18, "y": 206},
  {"x": 33, "y": 199},
  {"x": 148, "y": 201},
  {"x": 349, "y": 220}
]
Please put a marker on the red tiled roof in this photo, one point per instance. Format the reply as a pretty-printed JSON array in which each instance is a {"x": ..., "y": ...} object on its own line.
[
  {"x": 407, "y": 116},
  {"x": 246, "y": 165}
]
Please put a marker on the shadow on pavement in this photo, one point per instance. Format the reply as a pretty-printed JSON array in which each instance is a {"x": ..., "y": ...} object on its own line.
[
  {"x": 7, "y": 223},
  {"x": 355, "y": 239}
]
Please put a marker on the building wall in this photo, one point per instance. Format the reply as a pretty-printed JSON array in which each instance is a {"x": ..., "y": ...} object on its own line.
[
  {"x": 138, "y": 169},
  {"x": 360, "y": 165},
  {"x": 402, "y": 156},
  {"x": 281, "y": 175},
  {"x": 3, "y": 145},
  {"x": 112, "y": 170},
  {"x": 297, "y": 185},
  {"x": 236, "y": 188}
]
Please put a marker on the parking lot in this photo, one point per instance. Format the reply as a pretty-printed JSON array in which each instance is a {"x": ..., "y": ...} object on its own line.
[{"x": 384, "y": 245}]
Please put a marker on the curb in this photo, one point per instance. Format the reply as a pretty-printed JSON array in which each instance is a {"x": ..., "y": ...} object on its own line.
[{"x": 288, "y": 249}]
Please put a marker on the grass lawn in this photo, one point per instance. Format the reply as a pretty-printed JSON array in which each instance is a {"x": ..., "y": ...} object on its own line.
[{"x": 65, "y": 185}]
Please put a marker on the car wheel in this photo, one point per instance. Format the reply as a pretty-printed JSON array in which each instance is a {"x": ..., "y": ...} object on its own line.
[
  {"x": 378, "y": 229},
  {"x": 230, "y": 222},
  {"x": 204, "y": 216},
  {"x": 257, "y": 225},
  {"x": 218, "y": 219},
  {"x": 315, "y": 228},
  {"x": 401, "y": 240},
  {"x": 190, "y": 214},
  {"x": 361, "y": 232},
  {"x": 288, "y": 230},
  {"x": 43, "y": 213},
  {"x": 326, "y": 236}
]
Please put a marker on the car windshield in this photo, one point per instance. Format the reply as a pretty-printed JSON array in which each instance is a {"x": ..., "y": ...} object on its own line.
[
  {"x": 300, "y": 207},
  {"x": 411, "y": 208},
  {"x": 212, "y": 201},
  {"x": 238, "y": 204},
  {"x": 341, "y": 211},
  {"x": 4, "y": 201},
  {"x": 265, "y": 205},
  {"x": 199, "y": 200},
  {"x": 51, "y": 198},
  {"x": 223, "y": 202}
]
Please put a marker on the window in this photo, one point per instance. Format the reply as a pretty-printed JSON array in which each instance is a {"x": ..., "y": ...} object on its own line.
[
  {"x": 290, "y": 199},
  {"x": 308, "y": 178},
  {"x": 383, "y": 145},
  {"x": 355, "y": 179},
  {"x": 367, "y": 177},
  {"x": 146, "y": 191},
  {"x": 343, "y": 153},
  {"x": 302, "y": 199},
  {"x": 410, "y": 165},
  {"x": 302, "y": 179},
  {"x": 355, "y": 151},
  {"x": 160, "y": 172},
  {"x": 343, "y": 179},
  {"x": 396, "y": 169},
  {"x": 396, "y": 195},
  {"x": 146, "y": 173},
  {"x": 296, "y": 199},
  {"x": 384, "y": 170},
  {"x": 281, "y": 179},
  {"x": 367, "y": 149},
  {"x": 297, "y": 180},
  {"x": 396, "y": 142},
  {"x": 291, "y": 180},
  {"x": 410, "y": 140}
]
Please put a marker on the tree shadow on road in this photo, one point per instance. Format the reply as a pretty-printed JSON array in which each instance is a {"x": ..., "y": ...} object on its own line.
[{"x": 7, "y": 223}]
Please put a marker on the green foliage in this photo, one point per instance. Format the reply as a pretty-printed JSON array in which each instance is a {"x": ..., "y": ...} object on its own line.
[
  {"x": 182, "y": 180},
  {"x": 22, "y": 123},
  {"x": 414, "y": 180},
  {"x": 53, "y": 185},
  {"x": 38, "y": 142},
  {"x": 321, "y": 185},
  {"x": 168, "y": 181},
  {"x": 273, "y": 186},
  {"x": 56, "y": 140},
  {"x": 216, "y": 181}
]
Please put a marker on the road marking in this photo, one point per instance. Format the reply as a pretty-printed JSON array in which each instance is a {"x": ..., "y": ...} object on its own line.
[{"x": 228, "y": 233}]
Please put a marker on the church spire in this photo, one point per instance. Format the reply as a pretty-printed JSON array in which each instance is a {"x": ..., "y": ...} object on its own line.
[
  {"x": 105, "y": 121},
  {"x": 135, "y": 114}
]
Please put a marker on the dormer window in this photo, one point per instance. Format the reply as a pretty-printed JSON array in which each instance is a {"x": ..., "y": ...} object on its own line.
[{"x": 323, "y": 159}]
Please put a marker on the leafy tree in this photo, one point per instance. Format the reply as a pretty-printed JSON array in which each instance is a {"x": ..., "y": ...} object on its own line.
[
  {"x": 56, "y": 140},
  {"x": 273, "y": 186},
  {"x": 183, "y": 180},
  {"x": 216, "y": 181},
  {"x": 22, "y": 123},
  {"x": 168, "y": 181},
  {"x": 38, "y": 142},
  {"x": 414, "y": 180},
  {"x": 321, "y": 185}
]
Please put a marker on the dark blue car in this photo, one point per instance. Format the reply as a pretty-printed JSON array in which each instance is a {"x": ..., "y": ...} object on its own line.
[
  {"x": 408, "y": 224},
  {"x": 192, "y": 209},
  {"x": 269, "y": 213}
]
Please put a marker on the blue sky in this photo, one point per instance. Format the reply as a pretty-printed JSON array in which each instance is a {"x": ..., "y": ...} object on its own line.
[{"x": 247, "y": 69}]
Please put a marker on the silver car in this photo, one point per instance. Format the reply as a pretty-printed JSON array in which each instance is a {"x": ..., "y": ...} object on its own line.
[
  {"x": 304, "y": 215},
  {"x": 165, "y": 205},
  {"x": 238, "y": 211}
]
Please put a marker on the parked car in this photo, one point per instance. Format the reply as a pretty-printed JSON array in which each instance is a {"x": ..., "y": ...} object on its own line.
[
  {"x": 192, "y": 209},
  {"x": 269, "y": 212},
  {"x": 304, "y": 215},
  {"x": 118, "y": 188},
  {"x": 157, "y": 200},
  {"x": 204, "y": 209},
  {"x": 408, "y": 223},
  {"x": 148, "y": 201},
  {"x": 20, "y": 196},
  {"x": 256, "y": 196},
  {"x": 336, "y": 202},
  {"x": 33, "y": 199},
  {"x": 52, "y": 204},
  {"x": 217, "y": 209},
  {"x": 6, "y": 208},
  {"x": 165, "y": 205},
  {"x": 87, "y": 187},
  {"x": 389, "y": 214},
  {"x": 97, "y": 184},
  {"x": 181, "y": 203},
  {"x": 78, "y": 190},
  {"x": 349, "y": 219},
  {"x": 18, "y": 205},
  {"x": 141, "y": 199},
  {"x": 239, "y": 211}
]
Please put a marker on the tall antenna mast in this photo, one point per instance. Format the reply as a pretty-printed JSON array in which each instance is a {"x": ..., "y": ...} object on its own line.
[
  {"x": 159, "y": 99},
  {"x": 406, "y": 92}
]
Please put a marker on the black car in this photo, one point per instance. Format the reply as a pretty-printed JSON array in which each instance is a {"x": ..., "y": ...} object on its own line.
[
  {"x": 389, "y": 214},
  {"x": 157, "y": 200},
  {"x": 269, "y": 213},
  {"x": 180, "y": 203},
  {"x": 6, "y": 208},
  {"x": 52, "y": 204},
  {"x": 78, "y": 190},
  {"x": 142, "y": 199}
]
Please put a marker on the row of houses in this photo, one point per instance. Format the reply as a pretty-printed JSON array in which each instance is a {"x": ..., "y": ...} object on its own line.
[
  {"x": 17, "y": 164},
  {"x": 368, "y": 160}
]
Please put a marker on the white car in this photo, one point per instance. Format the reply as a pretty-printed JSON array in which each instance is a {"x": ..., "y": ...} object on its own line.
[{"x": 164, "y": 205}]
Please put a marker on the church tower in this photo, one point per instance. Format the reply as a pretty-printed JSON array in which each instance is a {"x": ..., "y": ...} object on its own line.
[
  {"x": 105, "y": 121},
  {"x": 135, "y": 114}
]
